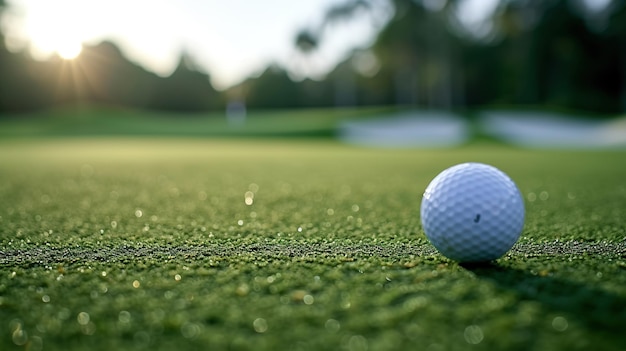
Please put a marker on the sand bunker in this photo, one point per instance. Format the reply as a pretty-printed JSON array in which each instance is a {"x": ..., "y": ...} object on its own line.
[
  {"x": 410, "y": 129},
  {"x": 551, "y": 130}
]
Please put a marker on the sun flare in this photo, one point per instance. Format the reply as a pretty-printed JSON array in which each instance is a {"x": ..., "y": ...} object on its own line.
[
  {"x": 55, "y": 28},
  {"x": 68, "y": 50}
]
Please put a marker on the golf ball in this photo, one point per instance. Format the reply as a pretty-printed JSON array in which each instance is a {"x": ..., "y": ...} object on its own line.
[{"x": 472, "y": 212}]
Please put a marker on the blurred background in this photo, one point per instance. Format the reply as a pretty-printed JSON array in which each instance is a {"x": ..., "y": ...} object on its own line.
[{"x": 229, "y": 58}]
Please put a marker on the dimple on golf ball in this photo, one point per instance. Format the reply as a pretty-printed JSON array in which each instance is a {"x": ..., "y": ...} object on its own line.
[{"x": 472, "y": 212}]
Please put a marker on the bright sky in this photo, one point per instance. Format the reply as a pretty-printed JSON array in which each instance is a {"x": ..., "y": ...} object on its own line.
[{"x": 232, "y": 39}]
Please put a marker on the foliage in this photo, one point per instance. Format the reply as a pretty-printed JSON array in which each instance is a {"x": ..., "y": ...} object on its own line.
[
  {"x": 101, "y": 75},
  {"x": 535, "y": 52},
  {"x": 531, "y": 52}
]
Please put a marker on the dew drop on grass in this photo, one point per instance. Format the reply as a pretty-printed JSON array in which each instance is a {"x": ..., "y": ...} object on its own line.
[
  {"x": 357, "y": 343},
  {"x": 260, "y": 325},
  {"x": 298, "y": 295},
  {"x": 138, "y": 213},
  {"x": 19, "y": 336},
  {"x": 559, "y": 323},
  {"x": 249, "y": 198},
  {"x": 473, "y": 334},
  {"x": 332, "y": 325},
  {"x": 190, "y": 330},
  {"x": 83, "y": 318},
  {"x": 136, "y": 284},
  {"x": 242, "y": 290},
  {"x": 124, "y": 317}
]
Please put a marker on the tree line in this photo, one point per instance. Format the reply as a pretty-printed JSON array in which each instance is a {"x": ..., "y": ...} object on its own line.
[
  {"x": 101, "y": 75},
  {"x": 535, "y": 52}
]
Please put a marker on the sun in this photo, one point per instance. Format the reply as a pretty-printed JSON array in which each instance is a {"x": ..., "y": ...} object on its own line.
[
  {"x": 57, "y": 41},
  {"x": 68, "y": 50},
  {"x": 67, "y": 47},
  {"x": 55, "y": 28}
]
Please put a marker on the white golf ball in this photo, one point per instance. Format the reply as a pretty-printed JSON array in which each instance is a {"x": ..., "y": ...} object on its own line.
[{"x": 472, "y": 212}]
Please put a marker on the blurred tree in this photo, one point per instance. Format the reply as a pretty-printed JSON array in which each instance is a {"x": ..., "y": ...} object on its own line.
[
  {"x": 103, "y": 75},
  {"x": 314, "y": 93},
  {"x": 17, "y": 88},
  {"x": 22, "y": 86},
  {"x": 615, "y": 33},
  {"x": 186, "y": 89},
  {"x": 556, "y": 52},
  {"x": 417, "y": 52},
  {"x": 421, "y": 54},
  {"x": 551, "y": 53},
  {"x": 307, "y": 40},
  {"x": 272, "y": 89},
  {"x": 100, "y": 74},
  {"x": 560, "y": 52}
]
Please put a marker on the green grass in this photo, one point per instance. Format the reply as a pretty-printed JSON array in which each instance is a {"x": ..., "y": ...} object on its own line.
[
  {"x": 88, "y": 120},
  {"x": 121, "y": 243}
]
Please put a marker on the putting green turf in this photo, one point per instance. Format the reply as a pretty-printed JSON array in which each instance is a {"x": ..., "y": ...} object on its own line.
[{"x": 150, "y": 244}]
